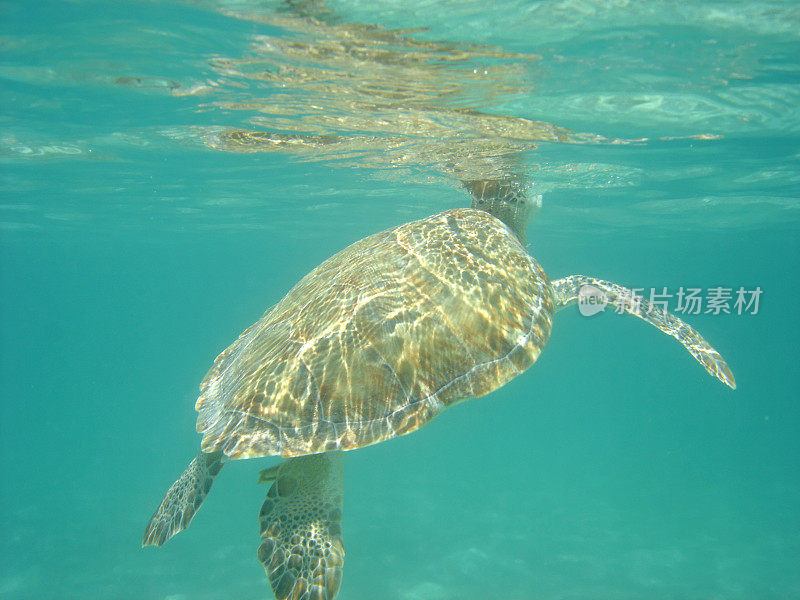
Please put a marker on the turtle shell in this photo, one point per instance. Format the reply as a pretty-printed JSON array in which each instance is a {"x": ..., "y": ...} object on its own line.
[{"x": 379, "y": 339}]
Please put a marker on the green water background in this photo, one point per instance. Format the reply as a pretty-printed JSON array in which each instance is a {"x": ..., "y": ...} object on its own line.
[{"x": 614, "y": 469}]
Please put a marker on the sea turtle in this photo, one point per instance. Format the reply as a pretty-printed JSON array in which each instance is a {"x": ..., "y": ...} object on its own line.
[{"x": 370, "y": 345}]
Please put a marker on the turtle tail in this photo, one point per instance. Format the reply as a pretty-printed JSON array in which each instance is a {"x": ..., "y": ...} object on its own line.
[
  {"x": 301, "y": 527},
  {"x": 183, "y": 499},
  {"x": 579, "y": 288}
]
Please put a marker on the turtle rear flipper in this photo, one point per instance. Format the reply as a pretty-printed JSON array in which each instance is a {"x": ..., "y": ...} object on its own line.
[
  {"x": 569, "y": 290},
  {"x": 300, "y": 522},
  {"x": 183, "y": 499}
]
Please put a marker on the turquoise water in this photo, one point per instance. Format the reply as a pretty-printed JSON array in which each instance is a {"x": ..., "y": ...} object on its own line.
[{"x": 138, "y": 241}]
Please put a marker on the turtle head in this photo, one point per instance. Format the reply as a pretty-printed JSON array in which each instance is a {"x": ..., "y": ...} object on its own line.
[{"x": 506, "y": 200}]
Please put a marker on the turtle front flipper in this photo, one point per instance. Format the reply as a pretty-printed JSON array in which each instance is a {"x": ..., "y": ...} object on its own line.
[
  {"x": 574, "y": 288},
  {"x": 301, "y": 530},
  {"x": 183, "y": 499}
]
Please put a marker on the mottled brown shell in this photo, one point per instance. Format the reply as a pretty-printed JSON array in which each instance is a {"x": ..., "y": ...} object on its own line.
[{"x": 379, "y": 339}]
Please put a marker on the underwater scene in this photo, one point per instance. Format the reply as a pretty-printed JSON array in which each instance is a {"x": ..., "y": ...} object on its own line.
[{"x": 609, "y": 189}]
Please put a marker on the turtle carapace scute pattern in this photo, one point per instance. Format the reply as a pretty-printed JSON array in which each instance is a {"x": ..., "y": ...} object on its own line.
[{"x": 379, "y": 339}]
